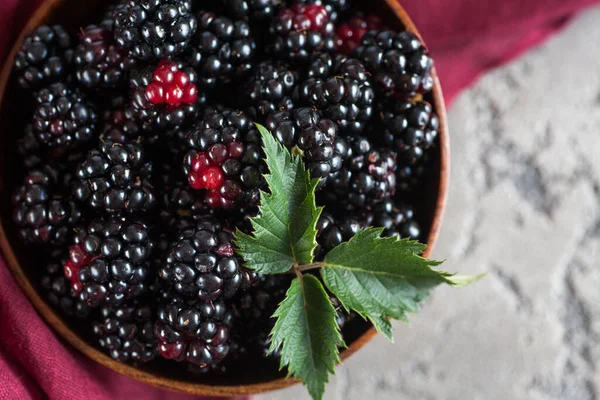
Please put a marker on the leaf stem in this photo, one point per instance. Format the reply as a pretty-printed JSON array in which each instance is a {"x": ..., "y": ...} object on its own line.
[{"x": 308, "y": 267}]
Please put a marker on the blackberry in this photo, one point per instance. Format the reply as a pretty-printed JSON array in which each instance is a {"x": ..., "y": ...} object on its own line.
[
  {"x": 333, "y": 231},
  {"x": 410, "y": 128},
  {"x": 62, "y": 117},
  {"x": 368, "y": 176},
  {"x": 57, "y": 290},
  {"x": 29, "y": 148},
  {"x": 398, "y": 62},
  {"x": 196, "y": 332},
  {"x": 301, "y": 30},
  {"x": 166, "y": 96},
  {"x": 222, "y": 49},
  {"x": 201, "y": 263},
  {"x": 126, "y": 332},
  {"x": 41, "y": 211},
  {"x": 154, "y": 29},
  {"x": 345, "y": 96},
  {"x": 269, "y": 89},
  {"x": 335, "y": 8},
  {"x": 349, "y": 35},
  {"x": 99, "y": 62},
  {"x": 109, "y": 261},
  {"x": 115, "y": 177},
  {"x": 44, "y": 58},
  {"x": 225, "y": 160},
  {"x": 315, "y": 136},
  {"x": 252, "y": 9},
  {"x": 397, "y": 219}
]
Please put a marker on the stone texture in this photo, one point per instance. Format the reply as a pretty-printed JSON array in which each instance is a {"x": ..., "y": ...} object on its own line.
[{"x": 524, "y": 206}]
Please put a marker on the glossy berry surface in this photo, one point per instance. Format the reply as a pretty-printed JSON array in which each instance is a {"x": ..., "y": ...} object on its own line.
[
  {"x": 154, "y": 29},
  {"x": 349, "y": 35},
  {"x": 201, "y": 264},
  {"x": 115, "y": 178},
  {"x": 63, "y": 118},
  {"x": 126, "y": 332},
  {"x": 397, "y": 219},
  {"x": 109, "y": 261},
  {"x": 44, "y": 58},
  {"x": 57, "y": 289},
  {"x": 170, "y": 86},
  {"x": 270, "y": 89},
  {"x": 196, "y": 332}
]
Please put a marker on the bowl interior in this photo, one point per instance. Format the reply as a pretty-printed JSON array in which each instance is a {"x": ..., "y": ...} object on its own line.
[{"x": 15, "y": 112}]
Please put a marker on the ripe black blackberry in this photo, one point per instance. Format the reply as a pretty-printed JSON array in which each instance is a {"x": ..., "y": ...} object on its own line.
[
  {"x": 225, "y": 159},
  {"x": 299, "y": 31},
  {"x": 44, "y": 58},
  {"x": 397, "y": 219},
  {"x": 367, "y": 177},
  {"x": 126, "y": 332},
  {"x": 115, "y": 178},
  {"x": 344, "y": 94},
  {"x": 109, "y": 262},
  {"x": 201, "y": 263},
  {"x": 42, "y": 210},
  {"x": 336, "y": 9},
  {"x": 253, "y": 10},
  {"x": 196, "y": 332},
  {"x": 222, "y": 49},
  {"x": 269, "y": 89},
  {"x": 57, "y": 289},
  {"x": 410, "y": 128},
  {"x": 29, "y": 148},
  {"x": 398, "y": 62},
  {"x": 333, "y": 230},
  {"x": 165, "y": 96},
  {"x": 315, "y": 136},
  {"x": 154, "y": 29},
  {"x": 99, "y": 62},
  {"x": 63, "y": 118}
]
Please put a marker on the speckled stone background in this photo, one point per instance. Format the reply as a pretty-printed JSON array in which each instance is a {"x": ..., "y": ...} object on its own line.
[{"x": 524, "y": 206}]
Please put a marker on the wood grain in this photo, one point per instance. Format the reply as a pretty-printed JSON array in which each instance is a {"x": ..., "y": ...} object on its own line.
[{"x": 395, "y": 16}]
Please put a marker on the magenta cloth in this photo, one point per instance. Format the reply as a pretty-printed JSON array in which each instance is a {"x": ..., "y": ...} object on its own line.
[{"x": 466, "y": 38}]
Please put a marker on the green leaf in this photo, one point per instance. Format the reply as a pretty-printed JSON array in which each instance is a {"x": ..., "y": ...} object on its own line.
[
  {"x": 383, "y": 277},
  {"x": 285, "y": 232},
  {"x": 307, "y": 333}
]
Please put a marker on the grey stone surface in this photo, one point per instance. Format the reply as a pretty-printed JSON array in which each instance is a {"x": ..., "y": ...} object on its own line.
[{"x": 524, "y": 206}]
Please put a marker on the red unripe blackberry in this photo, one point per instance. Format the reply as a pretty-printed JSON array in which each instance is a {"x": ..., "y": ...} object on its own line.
[
  {"x": 99, "y": 62},
  {"x": 349, "y": 35},
  {"x": 44, "y": 58},
  {"x": 196, "y": 332}
]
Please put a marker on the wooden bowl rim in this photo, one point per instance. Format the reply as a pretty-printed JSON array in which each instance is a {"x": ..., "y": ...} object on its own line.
[{"x": 80, "y": 344}]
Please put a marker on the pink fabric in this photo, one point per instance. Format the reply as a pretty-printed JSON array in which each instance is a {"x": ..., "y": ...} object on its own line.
[{"x": 466, "y": 37}]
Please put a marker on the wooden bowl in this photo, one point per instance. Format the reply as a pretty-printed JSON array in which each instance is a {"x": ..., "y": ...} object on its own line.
[{"x": 25, "y": 267}]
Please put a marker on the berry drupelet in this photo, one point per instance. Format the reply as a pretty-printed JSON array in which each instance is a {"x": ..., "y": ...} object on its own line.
[
  {"x": 397, "y": 219},
  {"x": 225, "y": 159},
  {"x": 344, "y": 94},
  {"x": 222, "y": 50},
  {"x": 99, "y": 62},
  {"x": 270, "y": 89},
  {"x": 201, "y": 263},
  {"x": 410, "y": 128},
  {"x": 196, "y": 332},
  {"x": 334, "y": 230},
  {"x": 367, "y": 177},
  {"x": 349, "y": 35},
  {"x": 42, "y": 210},
  {"x": 109, "y": 262},
  {"x": 154, "y": 29},
  {"x": 399, "y": 62},
  {"x": 301, "y": 30},
  {"x": 315, "y": 136},
  {"x": 252, "y": 10},
  {"x": 57, "y": 289},
  {"x": 63, "y": 118},
  {"x": 44, "y": 58},
  {"x": 115, "y": 177},
  {"x": 166, "y": 96},
  {"x": 126, "y": 332}
]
